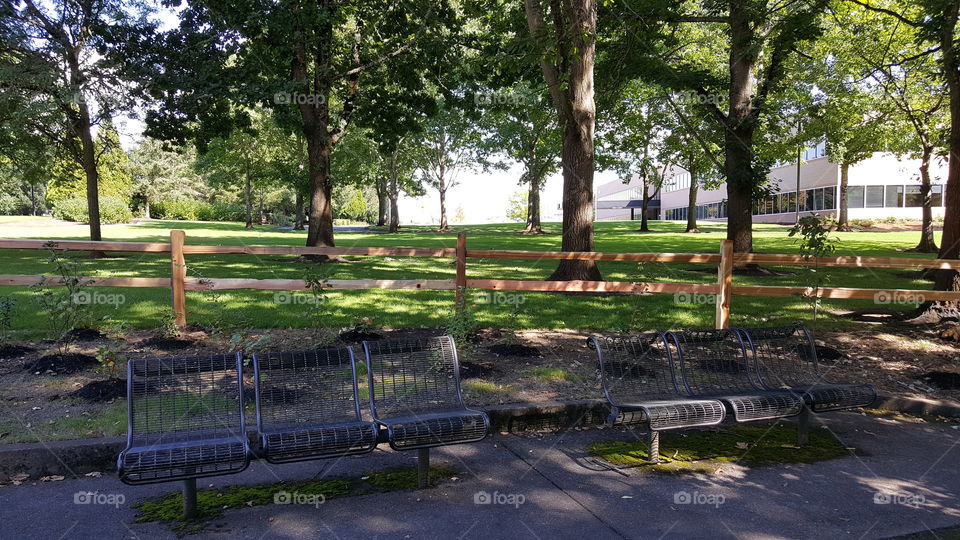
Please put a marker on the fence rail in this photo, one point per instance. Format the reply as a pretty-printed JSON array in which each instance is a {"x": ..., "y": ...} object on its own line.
[{"x": 724, "y": 289}]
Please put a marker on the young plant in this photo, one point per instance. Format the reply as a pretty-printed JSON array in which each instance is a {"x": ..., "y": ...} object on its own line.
[
  {"x": 113, "y": 352},
  {"x": 461, "y": 325},
  {"x": 66, "y": 304},
  {"x": 7, "y": 307},
  {"x": 815, "y": 242}
]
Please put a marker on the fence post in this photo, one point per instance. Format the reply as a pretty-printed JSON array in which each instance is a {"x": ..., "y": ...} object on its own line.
[
  {"x": 725, "y": 282},
  {"x": 178, "y": 275},
  {"x": 461, "y": 281}
]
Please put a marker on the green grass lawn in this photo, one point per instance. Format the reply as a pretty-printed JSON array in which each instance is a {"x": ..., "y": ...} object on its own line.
[{"x": 148, "y": 308}]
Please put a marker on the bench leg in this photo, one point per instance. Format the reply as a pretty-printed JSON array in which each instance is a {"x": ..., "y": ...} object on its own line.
[
  {"x": 423, "y": 467},
  {"x": 653, "y": 454},
  {"x": 189, "y": 498},
  {"x": 803, "y": 427}
]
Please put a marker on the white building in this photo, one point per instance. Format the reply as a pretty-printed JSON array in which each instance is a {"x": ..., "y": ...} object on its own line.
[{"x": 878, "y": 187}]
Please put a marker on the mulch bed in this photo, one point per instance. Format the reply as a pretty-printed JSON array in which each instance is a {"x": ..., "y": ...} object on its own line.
[
  {"x": 66, "y": 364},
  {"x": 101, "y": 391}
]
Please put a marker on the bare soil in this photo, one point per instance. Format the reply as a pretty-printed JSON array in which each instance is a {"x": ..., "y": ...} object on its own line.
[{"x": 530, "y": 366}]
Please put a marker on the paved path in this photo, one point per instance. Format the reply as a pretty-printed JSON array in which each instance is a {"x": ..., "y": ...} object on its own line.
[{"x": 564, "y": 493}]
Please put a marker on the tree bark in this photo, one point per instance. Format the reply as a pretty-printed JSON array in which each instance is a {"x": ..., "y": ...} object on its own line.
[
  {"x": 571, "y": 89},
  {"x": 80, "y": 124},
  {"x": 393, "y": 191},
  {"x": 843, "y": 223},
  {"x": 927, "y": 243},
  {"x": 692, "y": 202},
  {"x": 146, "y": 207},
  {"x": 383, "y": 202},
  {"x": 740, "y": 126},
  {"x": 298, "y": 224},
  {"x": 533, "y": 206},
  {"x": 644, "y": 226},
  {"x": 443, "y": 207}
]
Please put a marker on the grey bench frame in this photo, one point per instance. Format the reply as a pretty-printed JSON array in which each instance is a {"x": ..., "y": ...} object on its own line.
[
  {"x": 421, "y": 406},
  {"x": 785, "y": 357},
  {"x": 639, "y": 380},
  {"x": 186, "y": 443},
  {"x": 328, "y": 424}
]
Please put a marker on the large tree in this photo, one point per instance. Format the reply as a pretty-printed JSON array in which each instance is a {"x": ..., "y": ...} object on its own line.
[
  {"x": 163, "y": 173},
  {"x": 447, "y": 145},
  {"x": 754, "y": 38},
  {"x": 58, "y": 56},
  {"x": 333, "y": 62},
  {"x": 564, "y": 36}
]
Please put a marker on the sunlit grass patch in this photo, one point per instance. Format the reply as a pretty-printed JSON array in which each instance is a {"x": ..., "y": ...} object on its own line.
[{"x": 751, "y": 445}]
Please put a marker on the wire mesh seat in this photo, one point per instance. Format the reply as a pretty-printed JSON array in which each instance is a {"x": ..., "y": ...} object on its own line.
[
  {"x": 308, "y": 406},
  {"x": 415, "y": 393},
  {"x": 786, "y": 358},
  {"x": 640, "y": 382},
  {"x": 714, "y": 363},
  {"x": 185, "y": 419}
]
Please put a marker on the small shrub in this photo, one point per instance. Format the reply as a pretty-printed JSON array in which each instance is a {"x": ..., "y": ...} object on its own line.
[
  {"x": 7, "y": 306},
  {"x": 112, "y": 210},
  {"x": 862, "y": 223}
]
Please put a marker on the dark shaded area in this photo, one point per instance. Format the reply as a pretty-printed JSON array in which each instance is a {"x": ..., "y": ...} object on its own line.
[
  {"x": 514, "y": 349},
  {"x": 356, "y": 336},
  {"x": 873, "y": 315},
  {"x": 101, "y": 391},
  {"x": 626, "y": 369},
  {"x": 167, "y": 343},
  {"x": 62, "y": 364},
  {"x": 722, "y": 365},
  {"x": 13, "y": 351},
  {"x": 944, "y": 380},
  {"x": 828, "y": 353},
  {"x": 84, "y": 334},
  {"x": 473, "y": 370}
]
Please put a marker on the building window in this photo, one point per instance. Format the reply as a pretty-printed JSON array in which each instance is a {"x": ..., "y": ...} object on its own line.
[
  {"x": 913, "y": 197},
  {"x": 855, "y": 196},
  {"x": 895, "y": 196},
  {"x": 873, "y": 196},
  {"x": 936, "y": 195}
]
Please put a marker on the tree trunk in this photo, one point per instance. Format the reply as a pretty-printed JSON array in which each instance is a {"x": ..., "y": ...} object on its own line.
[
  {"x": 927, "y": 243},
  {"x": 394, "y": 193},
  {"x": 949, "y": 280},
  {"x": 443, "y": 207},
  {"x": 843, "y": 223},
  {"x": 146, "y": 207},
  {"x": 571, "y": 89},
  {"x": 383, "y": 202},
  {"x": 644, "y": 226},
  {"x": 533, "y": 206},
  {"x": 320, "y": 233},
  {"x": 394, "y": 213},
  {"x": 739, "y": 129},
  {"x": 248, "y": 199},
  {"x": 692, "y": 203},
  {"x": 298, "y": 219}
]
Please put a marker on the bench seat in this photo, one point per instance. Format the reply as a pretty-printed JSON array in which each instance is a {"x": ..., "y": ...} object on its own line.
[{"x": 283, "y": 444}]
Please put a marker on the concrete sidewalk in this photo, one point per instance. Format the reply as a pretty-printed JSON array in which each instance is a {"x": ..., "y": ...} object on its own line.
[{"x": 546, "y": 486}]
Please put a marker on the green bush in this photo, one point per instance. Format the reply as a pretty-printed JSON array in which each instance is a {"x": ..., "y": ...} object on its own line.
[
  {"x": 191, "y": 210},
  {"x": 112, "y": 210}
]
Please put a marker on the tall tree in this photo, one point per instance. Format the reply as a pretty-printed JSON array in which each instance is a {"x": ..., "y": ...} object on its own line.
[
  {"x": 758, "y": 38},
  {"x": 447, "y": 144},
  {"x": 332, "y": 62},
  {"x": 161, "y": 173},
  {"x": 564, "y": 34},
  {"x": 59, "y": 54}
]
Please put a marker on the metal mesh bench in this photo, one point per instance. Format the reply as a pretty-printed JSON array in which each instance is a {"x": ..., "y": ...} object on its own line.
[
  {"x": 308, "y": 406},
  {"x": 640, "y": 382},
  {"x": 714, "y": 363},
  {"x": 185, "y": 421},
  {"x": 415, "y": 395},
  {"x": 786, "y": 357}
]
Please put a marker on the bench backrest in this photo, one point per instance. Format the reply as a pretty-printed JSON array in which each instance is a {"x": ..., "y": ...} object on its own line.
[
  {"x": 713, "y": 362},
  {"x": 783, "y": 355},
  {"x": 306, "y": 387},
  {"x": 178, "y": 398},
  {"x": 636, "y": 367},
  {"x": 412, "y": 376}
]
